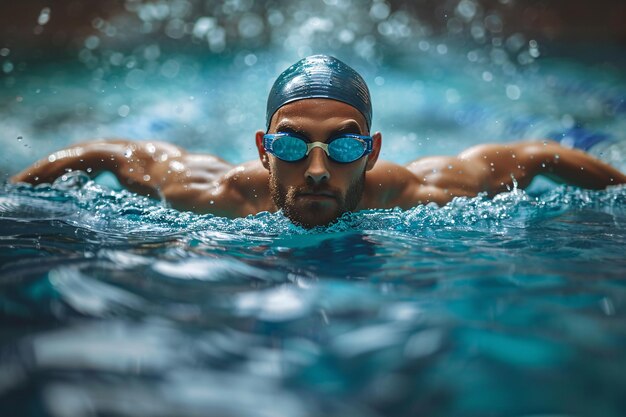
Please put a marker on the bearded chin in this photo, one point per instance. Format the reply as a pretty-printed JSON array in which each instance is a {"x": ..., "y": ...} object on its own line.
[{"x": 285, "y": 198}]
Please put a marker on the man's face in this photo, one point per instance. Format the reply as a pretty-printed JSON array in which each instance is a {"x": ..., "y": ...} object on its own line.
[{"x": 316, "y": 190}]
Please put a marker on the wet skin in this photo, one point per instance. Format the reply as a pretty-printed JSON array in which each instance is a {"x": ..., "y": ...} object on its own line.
[{"x": 316, "y": 190}]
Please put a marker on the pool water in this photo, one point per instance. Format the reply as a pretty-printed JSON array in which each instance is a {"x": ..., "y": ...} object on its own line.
[{"x": 113, "y": 304}]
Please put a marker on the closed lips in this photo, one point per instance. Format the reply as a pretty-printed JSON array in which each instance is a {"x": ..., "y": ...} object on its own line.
[{"x": 319, "y": 194}]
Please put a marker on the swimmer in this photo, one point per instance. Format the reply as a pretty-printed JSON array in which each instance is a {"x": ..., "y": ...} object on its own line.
[{"x": 318, "y": 159}]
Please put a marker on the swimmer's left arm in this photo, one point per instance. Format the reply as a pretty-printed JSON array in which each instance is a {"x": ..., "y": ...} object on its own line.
[
  {"x": 493, "y": 168},
  {"x": 523, "y": 161}
]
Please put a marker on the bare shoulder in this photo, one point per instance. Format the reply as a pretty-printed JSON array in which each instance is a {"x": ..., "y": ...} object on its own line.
[
  {"x": 435, "y": 179},
  {"x": 241, "y": 190},
  {"x": 385, "y": 185},
  {"x": 250, "y": 180},
  {"x": 459, "y": 175}
]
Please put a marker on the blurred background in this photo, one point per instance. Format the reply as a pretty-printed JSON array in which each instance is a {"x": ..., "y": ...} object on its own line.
[
  {"x": 112, "y": 305},
  {"x": 444, "y": 75}
]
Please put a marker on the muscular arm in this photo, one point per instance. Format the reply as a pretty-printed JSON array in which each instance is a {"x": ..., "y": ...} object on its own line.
[
  {"x": 492, "y": 168},
  {"x": 187, "y": 181},
  {"x": 525, "y": 160}
]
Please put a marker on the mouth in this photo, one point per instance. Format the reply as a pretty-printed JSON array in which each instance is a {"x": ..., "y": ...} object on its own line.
[{"x": 317, "y": 195}]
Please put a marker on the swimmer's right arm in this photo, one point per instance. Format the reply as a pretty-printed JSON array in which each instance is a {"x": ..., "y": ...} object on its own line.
[
  {"x": 136, "y": 165},
  {"x": 149, "y": 168}
]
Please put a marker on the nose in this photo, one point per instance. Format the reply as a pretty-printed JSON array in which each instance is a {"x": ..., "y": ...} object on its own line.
[{"x": 317, "y": 169}]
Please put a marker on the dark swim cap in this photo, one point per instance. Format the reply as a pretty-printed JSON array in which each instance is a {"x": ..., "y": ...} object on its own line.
[{"x": 320, "y": 76}]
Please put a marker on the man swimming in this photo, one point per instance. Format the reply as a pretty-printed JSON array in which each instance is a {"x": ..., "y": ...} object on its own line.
[{"x": 318, "y": 160}]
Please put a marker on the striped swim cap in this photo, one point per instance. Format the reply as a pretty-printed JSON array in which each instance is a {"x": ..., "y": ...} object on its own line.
[{"x": 320, "y": 76}]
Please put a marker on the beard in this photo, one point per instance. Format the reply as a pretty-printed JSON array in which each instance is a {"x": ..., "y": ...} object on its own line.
[{"x": 309, "y": 214}]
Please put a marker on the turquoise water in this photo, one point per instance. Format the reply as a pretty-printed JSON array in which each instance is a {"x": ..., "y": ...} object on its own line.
[{"x": 112, "y": 304}]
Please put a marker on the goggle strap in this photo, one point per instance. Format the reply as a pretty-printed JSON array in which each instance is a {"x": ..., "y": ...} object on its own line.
[{"x": 268, "y": 142}]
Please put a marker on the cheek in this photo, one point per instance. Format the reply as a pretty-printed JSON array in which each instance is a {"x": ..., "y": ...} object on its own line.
[
  {"x": 350, "y": 174},
  {"x": 285, "y": 172}
]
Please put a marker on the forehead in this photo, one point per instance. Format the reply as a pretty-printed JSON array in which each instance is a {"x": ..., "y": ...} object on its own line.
[{"x": 318, "y": 113}]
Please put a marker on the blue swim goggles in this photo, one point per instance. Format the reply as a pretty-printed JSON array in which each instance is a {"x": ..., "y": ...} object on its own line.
[{"x": 343, "y": 149}]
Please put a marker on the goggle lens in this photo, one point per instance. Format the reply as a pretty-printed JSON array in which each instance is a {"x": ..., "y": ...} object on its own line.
[
  {"x": 346, "y": 149},
  {"x": 289, "y": 148}
]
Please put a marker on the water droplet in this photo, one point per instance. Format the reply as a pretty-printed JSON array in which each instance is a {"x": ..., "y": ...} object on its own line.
[
  {"x": 379, "y": 10},
  {"x": 513, "y": 92},
  {"x": 135, "y": 79},
  {"x": 123, "y": 110},
  {"x": 44, "y": 16},
  {"x": 607, "y": 306},
  {"x": 127, "y": 154},
  {"x": 250, "y": 60},
  {"x": 170, "y": 68},
  {"x": 146, "y": 177},
  {"x": 7, "y": 67},
  {"x": 92, "y": 42}
]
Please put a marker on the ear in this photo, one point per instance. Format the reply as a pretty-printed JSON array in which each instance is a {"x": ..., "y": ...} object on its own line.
[
  {"x": 265, "y": 160},
  {"x": 373, "y": 156}
]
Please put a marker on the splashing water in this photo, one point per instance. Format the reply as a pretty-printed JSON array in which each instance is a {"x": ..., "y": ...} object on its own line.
[{"x": 384, "y": 312}]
